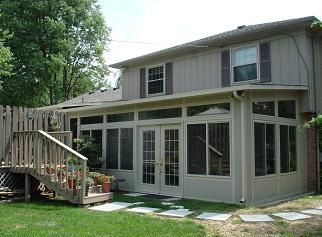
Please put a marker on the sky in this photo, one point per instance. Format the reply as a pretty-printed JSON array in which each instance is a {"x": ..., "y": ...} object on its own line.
[{"x": 161, "y": 24}]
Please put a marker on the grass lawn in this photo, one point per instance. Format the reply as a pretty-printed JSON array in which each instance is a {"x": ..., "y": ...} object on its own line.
[{"x": 58, "y": 218}]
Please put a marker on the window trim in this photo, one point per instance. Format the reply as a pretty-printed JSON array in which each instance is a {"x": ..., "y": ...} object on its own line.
[
  {"x": 147, "y": 81},
  {"x": 232, "y": 78},
  {"x": 119, "y": 149},
  {"x": 219, "y": 177}
]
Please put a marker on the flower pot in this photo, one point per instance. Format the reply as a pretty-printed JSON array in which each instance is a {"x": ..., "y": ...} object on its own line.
[
  {"x": 106, "y": 187},
  {"x": 70, "y": 184}
]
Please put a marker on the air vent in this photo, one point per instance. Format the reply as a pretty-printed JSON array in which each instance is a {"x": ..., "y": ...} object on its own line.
[{"x": 241, "y": 27}]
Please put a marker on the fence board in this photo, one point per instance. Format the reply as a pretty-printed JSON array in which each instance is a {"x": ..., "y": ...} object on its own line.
[{"x": 14, "y": 119}]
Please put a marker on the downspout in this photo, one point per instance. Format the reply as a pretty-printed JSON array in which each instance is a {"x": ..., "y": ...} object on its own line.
[{"x": 239, "y": 95}]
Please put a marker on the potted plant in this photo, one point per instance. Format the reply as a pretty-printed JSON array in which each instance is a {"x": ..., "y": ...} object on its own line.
[
  {"x": 106, "y": 182},
  {"x": 94, "y": 176},
  {"x": 72, "y": 180},
  {"x": 50, "y": 170},
  {"x": 89, "y": 183}
]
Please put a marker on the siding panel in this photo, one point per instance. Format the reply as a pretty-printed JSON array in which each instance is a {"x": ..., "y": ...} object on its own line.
[
  {"x": 284, "y": 55},
  {"x": 276, "y": 62}
]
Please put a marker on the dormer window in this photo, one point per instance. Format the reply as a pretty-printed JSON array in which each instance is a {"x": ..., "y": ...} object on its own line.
[
  {"x": 244, "y": 63},
  {"x": 155, "y": 80}
]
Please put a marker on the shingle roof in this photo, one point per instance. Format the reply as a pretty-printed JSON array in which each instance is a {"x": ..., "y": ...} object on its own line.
[
  {"x": 96, "y": 97},
  {"x": 258, "y": 30}
]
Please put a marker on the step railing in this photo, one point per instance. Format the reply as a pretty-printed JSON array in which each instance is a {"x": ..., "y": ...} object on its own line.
[{"x": 42, "y": 155}]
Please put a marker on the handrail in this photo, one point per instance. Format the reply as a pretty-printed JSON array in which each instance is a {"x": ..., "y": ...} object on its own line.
[{"x": 39, "y": 153}]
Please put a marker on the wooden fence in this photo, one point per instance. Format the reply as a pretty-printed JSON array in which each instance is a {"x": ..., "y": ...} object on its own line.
[{"x": 14, "y": 119}]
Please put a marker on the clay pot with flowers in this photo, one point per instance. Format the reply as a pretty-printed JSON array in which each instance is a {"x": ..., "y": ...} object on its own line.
[{"x": 106, "y": 182}]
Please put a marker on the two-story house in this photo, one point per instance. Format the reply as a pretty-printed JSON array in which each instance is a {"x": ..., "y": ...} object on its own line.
[{"x": 217, "y": 118}]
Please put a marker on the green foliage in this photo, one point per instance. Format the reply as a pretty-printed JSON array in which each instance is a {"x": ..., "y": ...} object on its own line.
[
  {"x": 315, "y": 121},
  {"x": 57, "y": 50},
  {"x": 88, "y": 148}
]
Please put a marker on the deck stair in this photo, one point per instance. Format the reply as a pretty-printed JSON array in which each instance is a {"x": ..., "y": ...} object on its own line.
[{"x": 53, "y": 163}]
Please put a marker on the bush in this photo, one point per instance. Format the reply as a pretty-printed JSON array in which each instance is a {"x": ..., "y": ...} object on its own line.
[{"x": 88, "y": 148}]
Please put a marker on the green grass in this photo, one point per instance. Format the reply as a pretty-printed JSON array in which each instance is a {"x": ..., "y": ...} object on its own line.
[{"x": 56, "y": 218}]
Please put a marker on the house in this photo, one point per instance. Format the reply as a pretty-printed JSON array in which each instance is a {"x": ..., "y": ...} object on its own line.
[{"x": 217, "y": 118}]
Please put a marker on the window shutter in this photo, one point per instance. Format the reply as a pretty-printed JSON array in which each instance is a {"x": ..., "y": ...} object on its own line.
[
  {"x": 142, "y": 83},
  {"x": 265, "y": 62},
  {"x": 168, "y": 78},
  {"x": 225, "y": 68}
]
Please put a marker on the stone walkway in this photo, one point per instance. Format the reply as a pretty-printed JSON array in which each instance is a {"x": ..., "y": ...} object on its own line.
[{"x": 180, "y": 212}]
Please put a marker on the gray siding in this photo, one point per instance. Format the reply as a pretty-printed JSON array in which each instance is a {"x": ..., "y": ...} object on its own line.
[
  {"x": 131, "y": 84},
  {"x": 291, "y": 64}
]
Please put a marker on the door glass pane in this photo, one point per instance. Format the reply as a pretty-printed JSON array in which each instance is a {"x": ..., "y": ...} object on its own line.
[
  {"x": 126, "y": 156},
  {"x": 112, "y": 148},
  {"x": 219, "y": 149},
  {"x": 284, "y": 149},
  {"x": 270, "y": 148},
  {"x": 197, "y": 149},
  {"x": 286, "y": 109},
  {"x": 264, "y": 108},
  {"x": 171, "y": 156},
  {"x": 148, "y": 157},
  {"x": 259, "y": 137},
  {"x": 292, "y": 139}
]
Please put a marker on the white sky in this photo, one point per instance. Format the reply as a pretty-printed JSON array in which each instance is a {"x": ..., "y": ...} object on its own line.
[{"x": 171, "y": 22}]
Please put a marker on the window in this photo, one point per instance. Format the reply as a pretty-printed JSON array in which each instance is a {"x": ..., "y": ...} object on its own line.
[
  {"x": 160, "y": 114},
  {"x": 119, "y": 148},
  {"x": 244, "y": 62},
  {"x": 91, "y": 120},
  {"x": 122, "y": 117},
  {"x": 199, "y": 110},
  {"x": 215, "y": 160},
  {"x": 286, "y": 109},
  {"x": 95, "y": 135},
  {"x": 264, "y": 108},
  {"x": 288, "y": 148},
  {"x": 155, "y": 80},
  {"x": 264, "y": 137}
]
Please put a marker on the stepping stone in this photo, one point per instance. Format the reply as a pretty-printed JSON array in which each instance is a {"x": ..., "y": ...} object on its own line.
[
  {"x": 176, "y": 213},
  {"x": 138, "y": 203},
  {"x": 143, "y": 210},
  {"x": 291, "y": 216},
  {"x": 171, "y": 199},
  {"x": 213, "y": 216},
  {"x": 134, "y": 194},
  {"x": 256, "y": 218},
  {"x": 177, "y": 207},
  {"x": 313, "y": 211},
  {"x": 111, "y": 206},
  {"x": 167, "y": 203}
]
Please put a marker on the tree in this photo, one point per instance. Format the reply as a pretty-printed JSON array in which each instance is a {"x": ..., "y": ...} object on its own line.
[
  {"x": 57, "y": 47},
  {"x": 5, "y": 57}
]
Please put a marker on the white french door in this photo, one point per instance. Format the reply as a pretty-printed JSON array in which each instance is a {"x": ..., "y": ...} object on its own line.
[{"x": 161, "y": 159}]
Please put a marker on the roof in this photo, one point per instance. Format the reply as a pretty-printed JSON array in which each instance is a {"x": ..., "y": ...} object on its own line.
[
  {"x": 220, "y": 40},
  {"x": 93, "y": 98},
  {"x": 191, "y": 94}
]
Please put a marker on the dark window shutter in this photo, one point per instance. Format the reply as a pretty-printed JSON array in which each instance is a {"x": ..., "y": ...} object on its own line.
[
  {"x": 225, "y": 68},
  {"x": 168, "y": 78},
  {"x": 142, "y": 83},
  {"x": 265, "y": 62}
]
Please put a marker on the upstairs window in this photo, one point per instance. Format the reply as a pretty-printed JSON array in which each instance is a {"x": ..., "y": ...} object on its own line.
[
  {"x": 244, "y": 63},
  {"x": 155, "y": 80}
]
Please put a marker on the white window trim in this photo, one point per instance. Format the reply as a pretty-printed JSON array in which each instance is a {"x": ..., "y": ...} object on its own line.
[
  {"x": 229, "y": 121},
  {"x": 147, "y": 81},
  {"x": 232, "y": 79},
  {"x": 119, "y": 149}
]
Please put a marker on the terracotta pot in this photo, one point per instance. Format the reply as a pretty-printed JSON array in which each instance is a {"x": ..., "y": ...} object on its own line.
[
  {"x": 70, "y": 184},
  {"x": 106, "y": 187}
]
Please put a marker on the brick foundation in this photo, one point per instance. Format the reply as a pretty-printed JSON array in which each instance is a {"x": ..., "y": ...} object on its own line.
[{"x": 312, "y": 181}]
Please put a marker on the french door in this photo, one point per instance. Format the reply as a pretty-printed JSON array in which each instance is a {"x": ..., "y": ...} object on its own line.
[{"x": 161, "y": 159}]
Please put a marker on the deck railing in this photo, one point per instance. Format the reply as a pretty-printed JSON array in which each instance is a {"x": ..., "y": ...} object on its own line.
[{"x": 42, "y": 155}]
